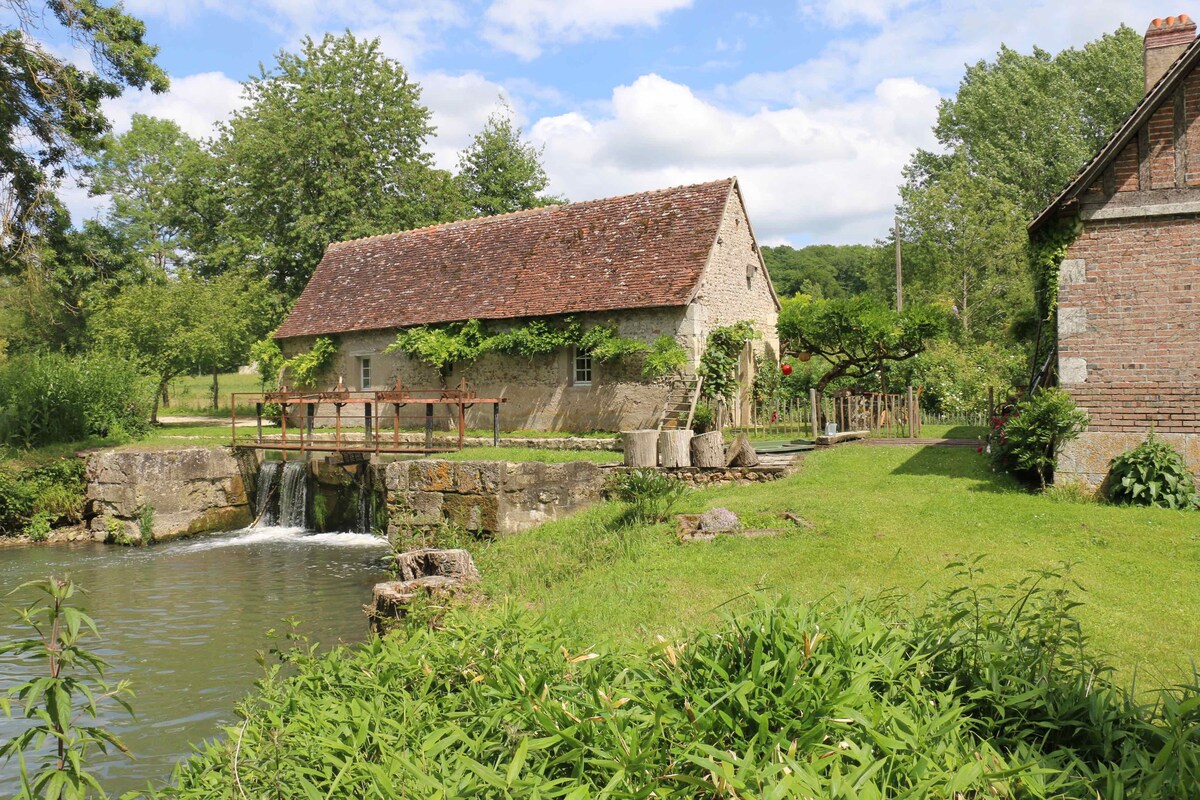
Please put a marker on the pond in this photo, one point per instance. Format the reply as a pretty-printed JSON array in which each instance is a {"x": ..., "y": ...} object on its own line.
[{"x": 182, "y": 621}]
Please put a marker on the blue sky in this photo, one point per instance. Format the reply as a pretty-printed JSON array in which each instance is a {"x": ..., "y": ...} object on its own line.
[{"x": 815, "y": 105}]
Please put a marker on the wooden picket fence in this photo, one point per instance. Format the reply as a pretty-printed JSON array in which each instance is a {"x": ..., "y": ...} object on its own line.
[{"x": 876, "y": 414}]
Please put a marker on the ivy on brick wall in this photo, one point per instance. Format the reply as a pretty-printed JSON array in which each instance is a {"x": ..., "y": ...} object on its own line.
[
  {"x": 1046, "y": 253},
  {"x": 303, "y": 368}
]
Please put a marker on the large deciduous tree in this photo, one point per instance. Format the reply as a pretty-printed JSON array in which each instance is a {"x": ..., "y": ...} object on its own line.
[
  {"x": 330, "y": 146},
  {"x": 857, "y": 336},
  {"x": 500, "y": 172},
  {"x": 50, "y": 108},
  {"x": 142, "y": 170},
  {"x": 176, "y": 325}
]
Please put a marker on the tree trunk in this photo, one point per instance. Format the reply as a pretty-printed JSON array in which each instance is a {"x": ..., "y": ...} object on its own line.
[
  {"x": 641, "y": 448},
  {"x": 162, "y": 390},
  {"x": 161, "y": 393},
  {"x": 708, "y": 450},
  {"x": 216, "y": 391},
  {"x": 674, "y": 448}
]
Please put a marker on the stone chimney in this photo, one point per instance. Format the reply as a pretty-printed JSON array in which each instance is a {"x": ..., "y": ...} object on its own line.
[{"x": 1165, "y": 40}]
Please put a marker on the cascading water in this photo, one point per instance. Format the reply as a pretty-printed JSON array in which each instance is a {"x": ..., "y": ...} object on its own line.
[
  {"x": 366, "y": 506},
  {"x": 293, "y": 495},
  {"x": 267, "y": 501}
]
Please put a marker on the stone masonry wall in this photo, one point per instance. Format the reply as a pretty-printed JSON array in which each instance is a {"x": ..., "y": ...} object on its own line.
[
  {"x": 538, "y": 391},
  {"x": 486, "y": 496},
  {"x": 193, "y": 490}
]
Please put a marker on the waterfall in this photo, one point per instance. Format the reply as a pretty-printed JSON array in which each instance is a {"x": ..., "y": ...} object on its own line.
[
  {"x": 267, "y": 495},
  {"x": 293, "y": 495},
  {"x": 366, "y": 505}
]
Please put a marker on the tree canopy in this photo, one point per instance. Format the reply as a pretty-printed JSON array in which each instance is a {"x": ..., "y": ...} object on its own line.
[
  {"x": 820, "y": 270},
  {"x": 500, "y": 172},
  {"x": 50, "y": 108},
  {"x": 331, "y": 145},
  {"x": 856, "y": 336}
]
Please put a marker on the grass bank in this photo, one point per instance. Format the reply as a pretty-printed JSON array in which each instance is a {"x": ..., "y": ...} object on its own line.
[{"x": 884, "y": 518}]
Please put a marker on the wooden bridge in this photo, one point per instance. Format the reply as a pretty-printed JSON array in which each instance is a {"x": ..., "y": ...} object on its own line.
[{"x": 345, "y": 421}]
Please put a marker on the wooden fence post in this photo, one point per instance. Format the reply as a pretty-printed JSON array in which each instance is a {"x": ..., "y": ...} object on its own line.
[{"x": 813, "y": 410}]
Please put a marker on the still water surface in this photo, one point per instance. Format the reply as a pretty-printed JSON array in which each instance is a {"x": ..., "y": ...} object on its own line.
[{"x": 183, "y": 621}]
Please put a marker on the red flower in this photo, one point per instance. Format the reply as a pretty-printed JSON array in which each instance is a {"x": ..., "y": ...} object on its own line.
[{"x": 979, "y": 449}]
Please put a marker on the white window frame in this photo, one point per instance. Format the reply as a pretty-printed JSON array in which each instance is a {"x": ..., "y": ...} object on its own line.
[
  {"x": 364, "y": 373},
  {"x": 582, "y": 364}
]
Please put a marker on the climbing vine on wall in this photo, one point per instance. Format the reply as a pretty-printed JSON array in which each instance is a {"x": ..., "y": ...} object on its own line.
[
  {"x": 719, "y": 363},
  {"x": 1046, "y": 253},
  {"x": 458, "y": 344},
  {"x": 303, "y": 368}
]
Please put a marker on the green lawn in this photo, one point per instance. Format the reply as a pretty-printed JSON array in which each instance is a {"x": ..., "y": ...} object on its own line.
[
  {"x": 885, "y": 519},
  {"x": 191, "y": 395}
]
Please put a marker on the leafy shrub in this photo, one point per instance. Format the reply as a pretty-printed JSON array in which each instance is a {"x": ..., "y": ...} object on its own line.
[
  {"x": 651, "y": 494},
  {"x": 38, "y": 527},
  {"x": 145, "y": 522},
  {"x": 719, "y": 362},
  {"x": 1152, "y": 474},
  {"x": 305, "y": 368},
  {"x": 704, "y": 419},
  {"x": 47, "y": 398},
  {"x": 1028, "y": 439},
  {"x": 53, "y": 492},
  {"x": 665, "y": 357},
  {"x": 990, "y": 694}
]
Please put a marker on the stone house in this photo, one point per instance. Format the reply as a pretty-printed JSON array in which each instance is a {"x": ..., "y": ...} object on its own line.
[
  {"x": 677, "y": 262},
  {"x": 1128, "y": 321}
]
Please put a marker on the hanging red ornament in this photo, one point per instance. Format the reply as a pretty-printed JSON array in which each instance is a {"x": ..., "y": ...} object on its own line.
[{"x": 786, "y": 369}]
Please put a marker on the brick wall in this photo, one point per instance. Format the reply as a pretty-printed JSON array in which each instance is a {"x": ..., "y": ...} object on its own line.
[{"x": 1129, "y": 324}]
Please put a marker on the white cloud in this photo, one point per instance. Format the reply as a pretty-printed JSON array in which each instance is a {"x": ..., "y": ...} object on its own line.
[
  {"x": 195, "y": 102},
  {"x": 826, "y": 174},
  {"x": 460, "y": 105},
  {"x": 525, "y": 27}
]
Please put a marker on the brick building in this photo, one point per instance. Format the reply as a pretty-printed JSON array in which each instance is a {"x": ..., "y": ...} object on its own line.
[
  {"x": 676, "y": 262},
  {"x": 1128, "y": 325}
]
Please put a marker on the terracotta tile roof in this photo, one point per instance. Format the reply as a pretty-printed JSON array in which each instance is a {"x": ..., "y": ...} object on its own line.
[{"x": 636, "y": 251}]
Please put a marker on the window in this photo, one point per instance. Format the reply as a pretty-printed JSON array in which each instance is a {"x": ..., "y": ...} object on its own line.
[
  {"x": 364, "y": 365},
  {"x": 581, "y": 374}
]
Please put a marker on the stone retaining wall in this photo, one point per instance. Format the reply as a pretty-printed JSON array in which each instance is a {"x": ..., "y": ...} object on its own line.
[
  {"x": 717, "y": 477},
  {"x": 486, "y": 496},
  {"x": 191, "y": 490},
  {"x": 1086, "y": 460}
]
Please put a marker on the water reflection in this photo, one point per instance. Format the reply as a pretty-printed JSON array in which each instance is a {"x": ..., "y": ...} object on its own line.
[{"x": 183, "y": 621}]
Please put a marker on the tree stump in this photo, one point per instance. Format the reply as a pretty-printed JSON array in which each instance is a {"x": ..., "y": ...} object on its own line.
[
  {"x": 708, "y": 450},
  {"x": 740, "y": 453},
  {"x": 674, "y": 449},
  {"x": 641, "y": 448}
]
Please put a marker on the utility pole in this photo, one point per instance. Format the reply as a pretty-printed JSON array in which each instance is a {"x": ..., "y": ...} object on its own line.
[{"x": 899, "y": 271}]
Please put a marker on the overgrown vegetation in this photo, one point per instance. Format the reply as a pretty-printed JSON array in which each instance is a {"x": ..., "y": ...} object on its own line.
[
  {"x": 1029, "y": 438},
  {"x": 460, "y": 344},
  {"x": 719, "y": 361},
  {"x": 61, "y": 706},
  {"x": 992, "y": 691},
  {"x": 1152, "y": 474},
  {"x": 47, "y": 398},
  {"x": 650, "y": 493},
  {"x": 34, "y": 499}
]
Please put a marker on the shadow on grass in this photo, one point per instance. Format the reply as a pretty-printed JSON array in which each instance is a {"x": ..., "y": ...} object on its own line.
[
  {"x": 957, "y": 462},
  {"x": 965, "y": 432}
]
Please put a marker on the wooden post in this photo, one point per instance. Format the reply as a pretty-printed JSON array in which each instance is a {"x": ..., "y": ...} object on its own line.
[
  {"x": 396, "y": 426},
  {"x": 283, "y": 423},
  {"x": 912, "y": 421},
  {"x": 462, "y": 424},
  {"x": 337, "y": 430},
  {"x": 310, "y": 413},
  {"x": 495, "y": 424},
  {"x": 258, "y": 420},
  {"x": 708, "y": 450},
  {"x": 991, "y": 406},
  {"x": 367, "y": 420},
  {"x": 812, "y": 401},
  {"x": 641, "y": 448},
  {"x": 428, "y": 426},
  {"x": 674, "y": 448},
  {"x": 899, "y": 271}
]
